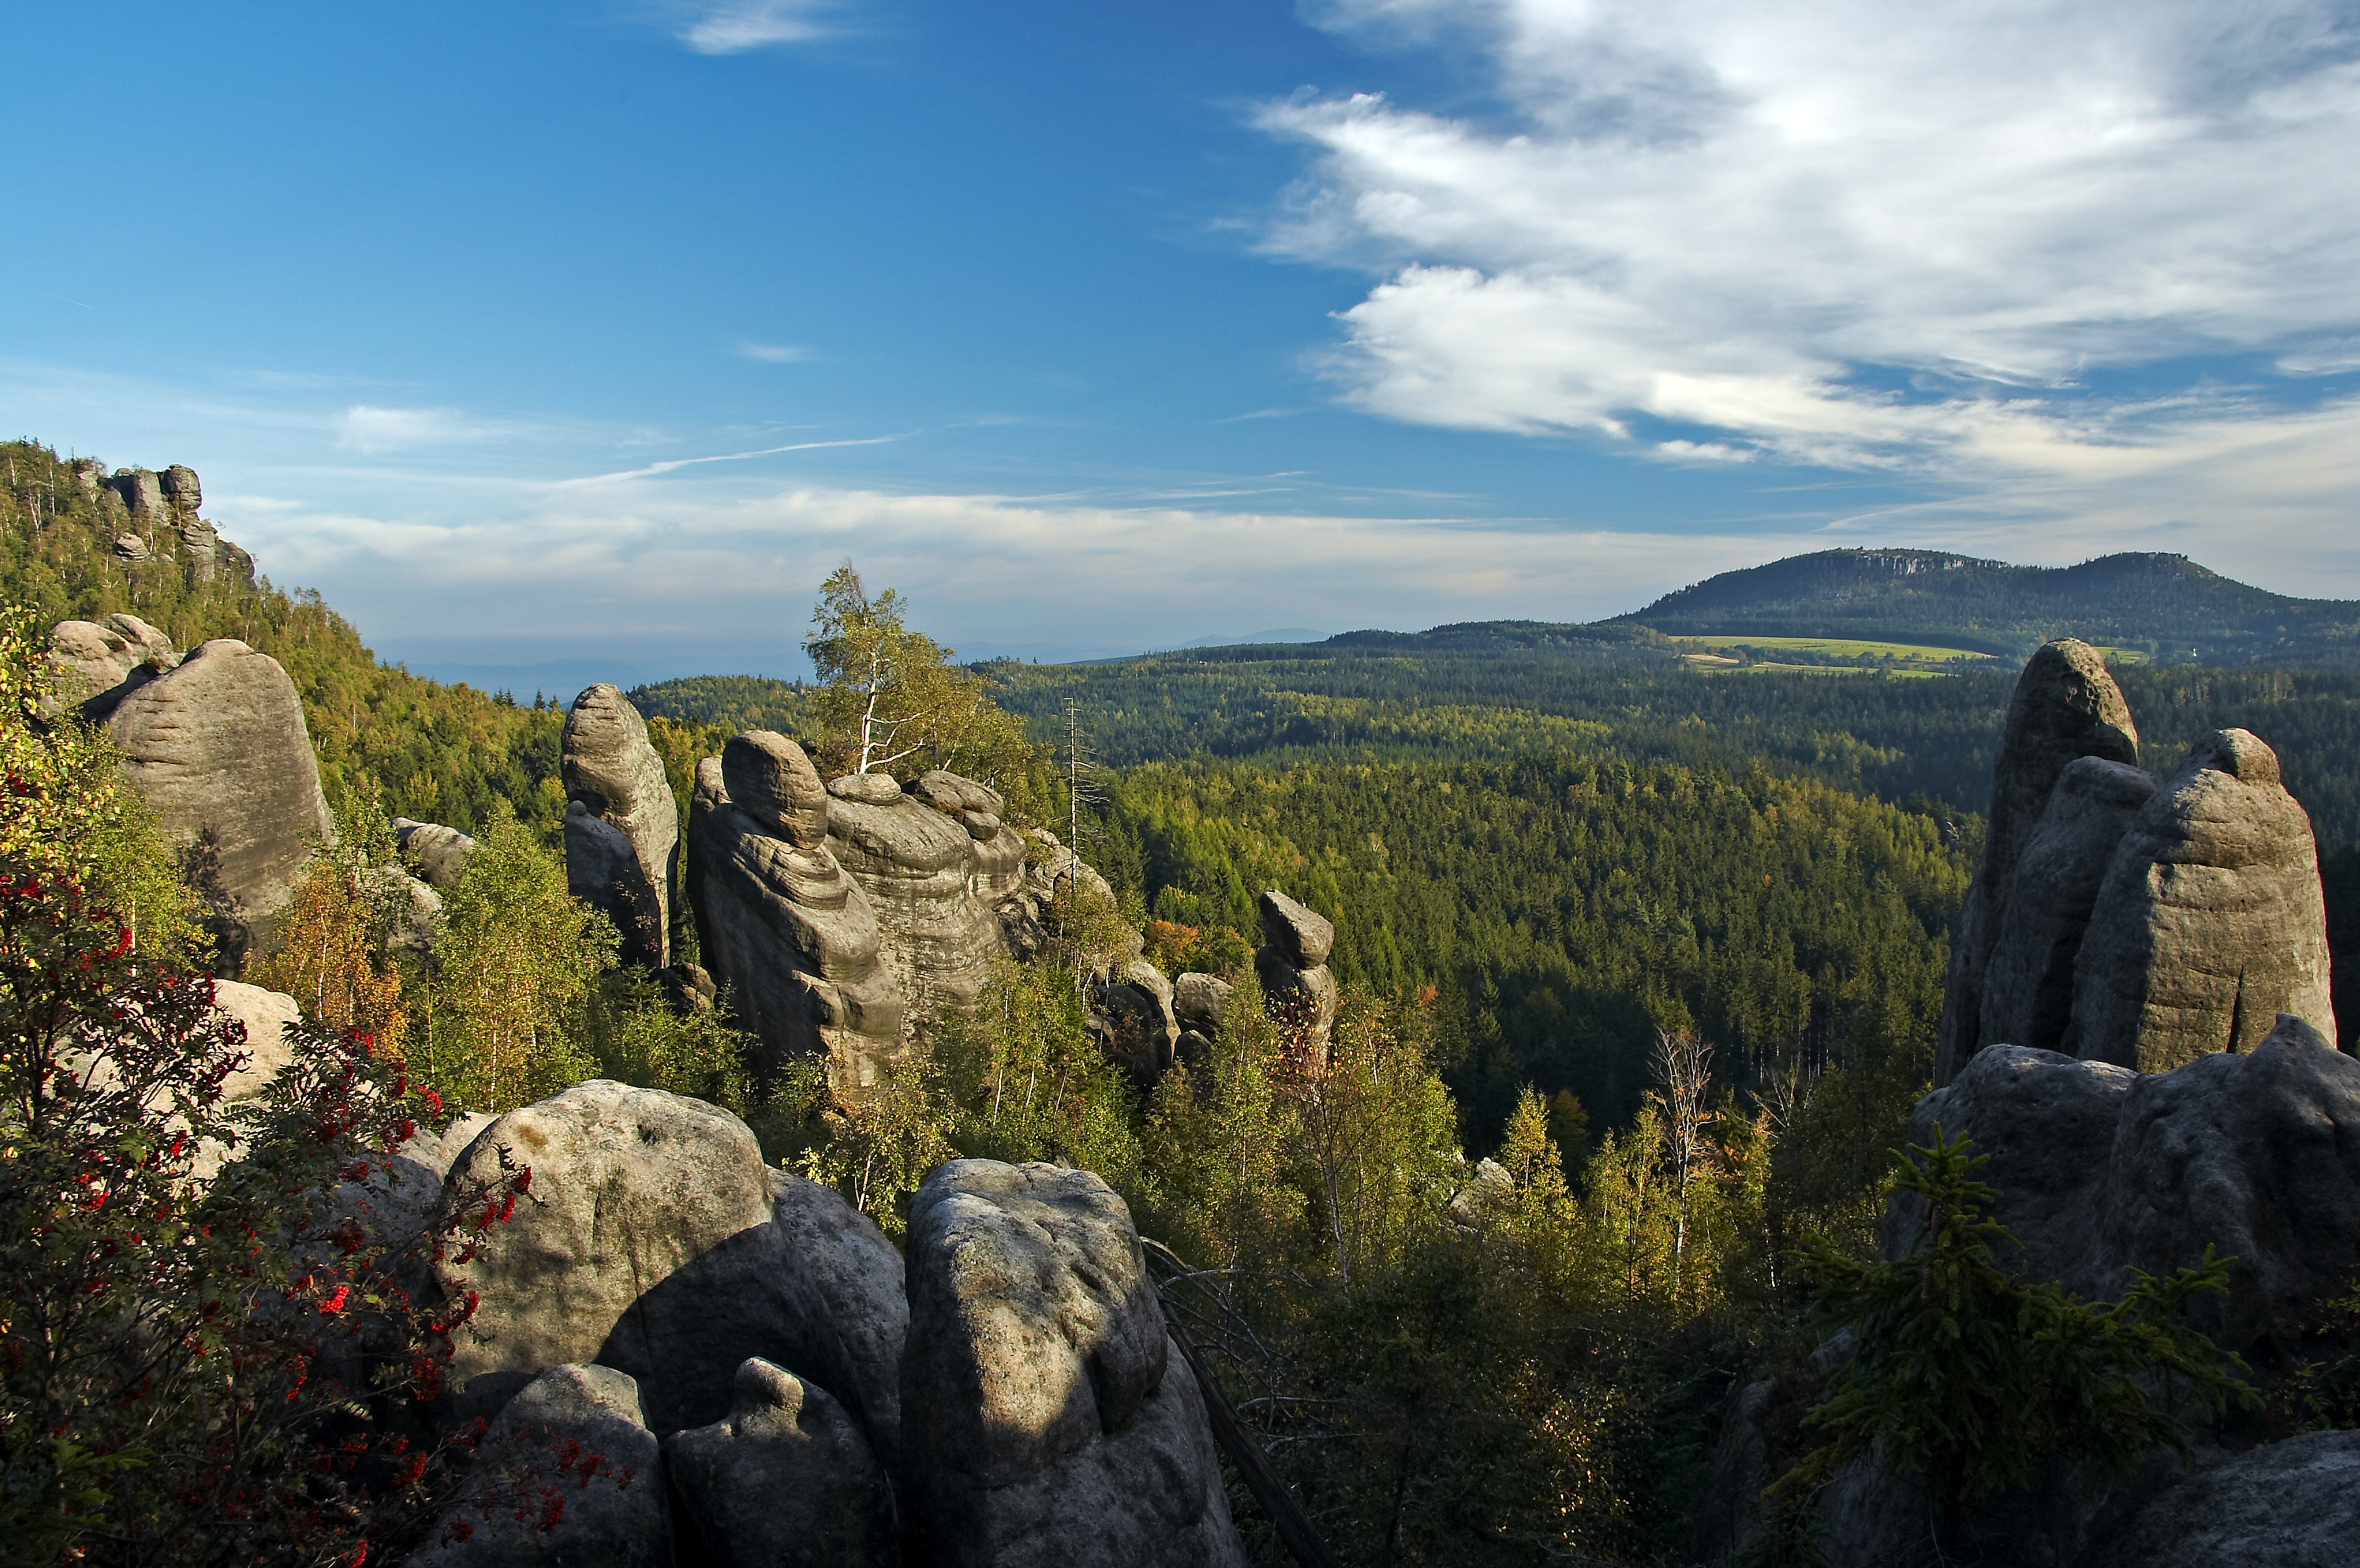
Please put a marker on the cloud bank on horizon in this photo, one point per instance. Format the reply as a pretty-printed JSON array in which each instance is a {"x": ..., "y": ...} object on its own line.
[{"x": 1999, "y": 243}]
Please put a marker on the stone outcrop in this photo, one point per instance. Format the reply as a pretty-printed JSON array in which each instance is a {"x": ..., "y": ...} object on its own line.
[
  {"x": 100, "y": 663},
  {"x": 2065, "y": 706},
  {"x": 576, "y": 1434},
  {"x": 1201, "y": 1005},
  {"x": 1063, "y": 1427},
  {"x": 786, "y": 1481},
  {"x": 787, "y": 933},
  {"x": 2294, "y": 1504},
  {"x": 934, "y": 885},
  {"x": 181, "y": 491},
  {"x": 1297, "y": 986},
  {"x": 2029, "y": 984},
  {"x": 218, "y": 750},
  {"x": 2209, "y": 922},
  {"x": 658, "y": 1244},
  {"x": 142, "y": 493},
  {"x": 614, "y": 776},
  {"x": 441, "y": 853},
  {"x": 1134, "y": 1022}
]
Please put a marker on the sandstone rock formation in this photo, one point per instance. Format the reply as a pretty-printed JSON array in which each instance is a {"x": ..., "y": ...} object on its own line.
[
  {"x": 578, "y": 1433},
  {"x": 2029, "y": 984},
  {"x": 1296, "y": 984},
  {"x": 2065, "y": 706},
  {"x": 218, "y": 750},
  {"x": 787, "y": 933},
  {"x": 2209, "y": 922},
  {"x": 1135, "y": 1022},
  {"x": 617, "y": 779},
  {"x": 786, "y": 1481},
  {"x": 929, "y": 879},
  {"x": 1063, "y": 1428},
  {"x": 441, "y": 853},
  {"x": 142, "y": 493},
  {"x": 2293, "y": 1504},
  {"x": 1201, "y": 1005},
  {"x": 658, "y": 1244},
  {"x": 98, "y": 663},
  {"x": 181, "y": 490}
]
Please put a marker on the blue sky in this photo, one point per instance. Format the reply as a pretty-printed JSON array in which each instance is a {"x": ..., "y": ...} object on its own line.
[{"x": 589, "y": 336}]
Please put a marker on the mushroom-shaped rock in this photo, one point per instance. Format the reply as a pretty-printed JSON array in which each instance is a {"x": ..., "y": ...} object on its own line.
[
  {"x": 867, "y": 789},
  {"x": 575, "y": 1434},
  {"x": 1292, "y": 964},
  {"x": 2211, "y": 921},
  {"x": 649, "y": 1245},
  {"x": 99, "y": 662},
  {"x": 793, "y": 940},
  {"x": 2029, "y": 984},
  {"x": 614, "y": 772},
  {"x": 1062, "y": 1427},
  {"x": 217, "y": 749},
  {"x": 2065, "y": 706},
  {"x": 785, "y": 1481},
  {"x": 772, "y": 781},
  {"x": 1303, "y": 937},
  {"x": 441, "y": 853}
]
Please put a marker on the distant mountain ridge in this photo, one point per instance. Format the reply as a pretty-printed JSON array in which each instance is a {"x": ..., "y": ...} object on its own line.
[{"x": 2164, "y": 606}]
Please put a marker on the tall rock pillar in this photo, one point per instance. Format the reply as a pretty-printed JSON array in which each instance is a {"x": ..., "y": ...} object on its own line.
[{"x": 622, "y": 825}]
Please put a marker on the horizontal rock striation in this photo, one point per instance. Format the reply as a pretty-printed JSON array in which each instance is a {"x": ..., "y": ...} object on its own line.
[{"x": 616, "y": 780}]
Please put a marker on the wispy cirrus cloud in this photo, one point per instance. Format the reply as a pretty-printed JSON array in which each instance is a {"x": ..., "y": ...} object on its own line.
[
  {"x": 735, "y": 27},
  {"x": 1829, "y": 232},
  {"x": 371, "y": 430},
  {"x": 774, "y": 353}
]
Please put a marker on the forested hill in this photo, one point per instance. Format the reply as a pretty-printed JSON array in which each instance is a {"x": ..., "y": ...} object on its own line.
[{"x": 2166, "y": 607}]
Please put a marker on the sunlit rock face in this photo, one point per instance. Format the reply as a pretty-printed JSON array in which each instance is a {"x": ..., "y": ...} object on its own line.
[{"x": 616, "y": 789}]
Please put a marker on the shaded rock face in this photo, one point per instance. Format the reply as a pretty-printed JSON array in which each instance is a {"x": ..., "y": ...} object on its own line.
[
  {"x": 786, "y": 1481},
  {"x": 217, "y": 749},
  {"x": 2294, "y": 1504},
  {"x": 1201, "y": 1005},
  {"x": 181, "y": 489},
  {"x": 2101, "y": 1170},
  {"x": 1140, "y": 1030},
  {"x": 1038, "y": 1349},
  {"x": 2028, "y": 984},
  {"x": 576, "y": 1433},
  {"x": 603, "y": 870},
  {"x": 2065, "y": 706},
  {"x": 2209, "y": 922},
  {"x": 142, "y": 493},
  {"x": 786, "y": 931},
  {"x": 617, "y": 777},
  {"x": 441, "y": 853},
  {"x": 100, "y": 663},
  {"x": 1292, "y": 963}
]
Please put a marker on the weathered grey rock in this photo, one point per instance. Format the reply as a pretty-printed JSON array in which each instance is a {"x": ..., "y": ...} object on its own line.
[
  {"x": 792, "y": 940},
  {"x": 1302, "y": 997},
  {"x": 265, "y": 1015},
  {"x": 1201, "y": 1002},
  {"x": 2292, "y": 1504},
  {"x": 181, "y": 489},
  {"x": 1143, "y": 1034},
  {"x": 603, "y": 870},
  {"x": 89, "y": 474},
  {"x": 867, "y": 789},
  {"x": 1055, "y": 1434},
  {"x": 2029, "y": 984},
  {"x": 2065, "y": 706},
  {"x": 1729, "y": 1518},
  {"x": 2211, "y": 921},
  {"x": 977, "y": 807},
  {"x": 1303, "y": 937},
  {"x": 98, "y": 663},
  {"x": 611, "y": 769},
  {"x": 414, "y": 908},
  {"x": 142, "y": 492},
  {"x": 843, "y": 1310},
  {"x": 918, "y": 867},
  {"x": 577, "y": 1435},
  {"x": 772, "y": 781},
  {"x": 217, "y": 749},
  {"x": 441, "y": 853},
  {"x": 786, "y": 1481}
]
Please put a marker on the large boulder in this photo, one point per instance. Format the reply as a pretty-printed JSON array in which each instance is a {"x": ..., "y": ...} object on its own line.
[
  {"x": 1037, "y": 1346},
  {"x": 786, "y": 932},
  {"x": 615, "y": 775},
  {"x": 2293, "y": 1504},
  {"x": 2209, "y": 922},
  {"x": 181, "y": 489},
  {"x": 918, "y": 866},
  {"x": 569, "y": 1475},
  {"x": 217, "y": 749},
  {"x": 1141, "y": 1031},
  {"x": 786, "y": 1481},
  {"x": 2029, "y": 984},
  {"x": 2065, "y": 706},
  {"x": 655, "y": 1241},
  {"x": 440, "y": 852},
  {"x": 99, "y": 662},
  {"x": 1297, "y": 986}
]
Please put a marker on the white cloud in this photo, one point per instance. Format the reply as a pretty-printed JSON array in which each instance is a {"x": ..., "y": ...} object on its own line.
[
  {"x": 736, "y": 26},
  {"x": 1841, "y": 232},
  {"x": 372, "y": 430},
  {"x": 774, "y": 353}
]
